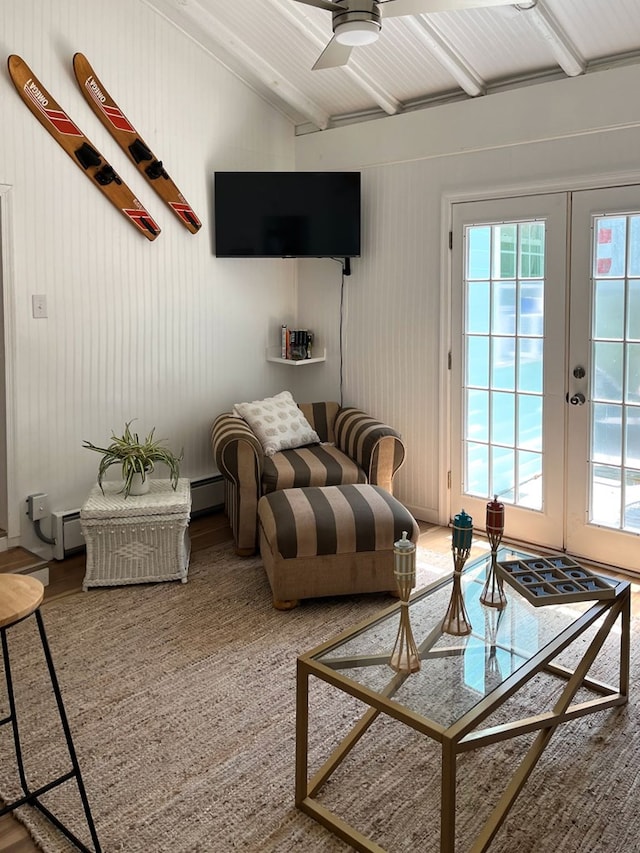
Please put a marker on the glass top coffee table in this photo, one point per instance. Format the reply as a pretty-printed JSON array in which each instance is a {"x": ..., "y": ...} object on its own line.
[{"x": 462, "y": 681}]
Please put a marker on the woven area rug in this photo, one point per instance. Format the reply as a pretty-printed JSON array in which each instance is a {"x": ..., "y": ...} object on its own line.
[{"x": 181, "y": 700}]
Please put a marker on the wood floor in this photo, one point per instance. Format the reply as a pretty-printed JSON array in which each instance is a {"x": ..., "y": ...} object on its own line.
[{"x": 17, "y": 559}]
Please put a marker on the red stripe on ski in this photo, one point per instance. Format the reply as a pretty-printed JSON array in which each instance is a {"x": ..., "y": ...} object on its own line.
[
  {"x": 115, "y": 115},
  {"x": 117, "y": 118},
  {"x": 185, "y": 212},
  {"x": 58, "y": 118},
  {"x": 142, "y": 219}
]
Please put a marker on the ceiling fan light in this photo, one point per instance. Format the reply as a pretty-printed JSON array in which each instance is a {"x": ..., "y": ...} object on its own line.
[{"x": 356, "y": 33}]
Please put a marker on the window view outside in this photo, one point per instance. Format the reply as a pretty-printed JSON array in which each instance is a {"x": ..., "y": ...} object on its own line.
[
  {"x": 615, "y": 373},
  {"x": 503, "y": 351}
]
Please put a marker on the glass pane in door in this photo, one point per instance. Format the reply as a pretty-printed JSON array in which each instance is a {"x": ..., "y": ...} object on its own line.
[
  {"x": 615, "y": 373},
  {"x": 503, "y": 357}
]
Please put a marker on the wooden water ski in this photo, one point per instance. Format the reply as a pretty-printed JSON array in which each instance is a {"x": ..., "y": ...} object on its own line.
[
  {"x": 83, "y": 153},
  {"x": 131, "y": 142}
]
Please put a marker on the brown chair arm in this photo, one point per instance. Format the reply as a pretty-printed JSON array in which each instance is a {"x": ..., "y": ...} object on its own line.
[
  {"x": 376, "y": 447},
  {"x": 239, "y": 457}
]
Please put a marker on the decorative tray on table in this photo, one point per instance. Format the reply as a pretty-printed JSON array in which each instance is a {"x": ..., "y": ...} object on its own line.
[{"x": 554, "y": 580}]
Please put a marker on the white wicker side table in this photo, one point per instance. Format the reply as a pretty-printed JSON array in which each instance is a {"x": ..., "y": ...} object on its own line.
[{"x": 139, "y": 539}]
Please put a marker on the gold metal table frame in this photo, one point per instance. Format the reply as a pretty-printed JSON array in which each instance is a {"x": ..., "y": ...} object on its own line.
[{"x": 464, "y": 733}]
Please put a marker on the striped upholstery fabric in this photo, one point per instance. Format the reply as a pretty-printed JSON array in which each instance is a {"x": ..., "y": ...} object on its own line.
[
  {"x": 314, "y": 465},
  {"x": 228, "y": 430},
  {"x": 356, "y": 449},
  {"x": 239, "y": 457},
  {"x": 321, "y": 416},
  {"x": 333, "y": 520},
  {"x": 377, "y": 448}
]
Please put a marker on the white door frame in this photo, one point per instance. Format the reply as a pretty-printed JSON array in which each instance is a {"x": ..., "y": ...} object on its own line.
[{"x": 9, "y": 506}]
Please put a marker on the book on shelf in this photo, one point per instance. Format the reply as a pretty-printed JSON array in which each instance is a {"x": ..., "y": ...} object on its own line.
[{"x": 295, "y": 344}]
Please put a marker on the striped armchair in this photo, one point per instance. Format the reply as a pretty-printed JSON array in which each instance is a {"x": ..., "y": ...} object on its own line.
[{"x": 356, "y": 449}]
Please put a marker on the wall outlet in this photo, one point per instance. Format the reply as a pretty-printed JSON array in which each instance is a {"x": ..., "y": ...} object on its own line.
[{"x": 38, "y": 506}]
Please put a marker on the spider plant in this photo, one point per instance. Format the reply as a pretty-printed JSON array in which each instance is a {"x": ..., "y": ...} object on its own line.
[{"x": 135, "y": 457}]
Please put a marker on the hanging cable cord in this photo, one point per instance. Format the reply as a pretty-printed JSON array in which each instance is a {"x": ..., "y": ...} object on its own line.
[{"x": 346, "y": 270}]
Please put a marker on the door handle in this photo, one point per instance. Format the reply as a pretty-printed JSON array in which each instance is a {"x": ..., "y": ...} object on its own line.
[{"x": 577, "y": 399}]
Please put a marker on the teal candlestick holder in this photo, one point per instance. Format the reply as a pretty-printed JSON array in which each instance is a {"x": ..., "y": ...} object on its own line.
[{"x": 456, "y": 620}]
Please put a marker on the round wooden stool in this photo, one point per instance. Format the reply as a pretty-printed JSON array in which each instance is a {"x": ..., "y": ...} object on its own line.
[{"x": 20, "y": 597}]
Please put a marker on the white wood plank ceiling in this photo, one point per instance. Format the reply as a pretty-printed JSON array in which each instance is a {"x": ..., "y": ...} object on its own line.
[{"x": 417, "y": 61}]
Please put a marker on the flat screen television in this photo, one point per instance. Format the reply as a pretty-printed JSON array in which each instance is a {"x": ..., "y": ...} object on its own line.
[{"x": 287, "y": 214}]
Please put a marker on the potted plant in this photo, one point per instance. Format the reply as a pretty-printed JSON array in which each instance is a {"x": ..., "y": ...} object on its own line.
[{"x": 137, "y": 459}]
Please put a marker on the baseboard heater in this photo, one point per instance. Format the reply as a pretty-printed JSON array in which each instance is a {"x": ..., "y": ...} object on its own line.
[{"x": 207, "y": 495}]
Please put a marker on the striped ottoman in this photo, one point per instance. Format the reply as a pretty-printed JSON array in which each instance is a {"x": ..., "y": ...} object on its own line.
[{"x": 330, "y": 540}]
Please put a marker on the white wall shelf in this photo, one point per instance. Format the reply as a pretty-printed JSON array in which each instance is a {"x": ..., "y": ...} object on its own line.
[{"x": 273, "y": 354}]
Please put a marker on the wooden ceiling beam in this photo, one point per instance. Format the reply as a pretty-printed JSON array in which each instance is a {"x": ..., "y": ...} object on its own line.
[
  {"x": 441, "y": 50},
  {"x": 564, "y": 51}
]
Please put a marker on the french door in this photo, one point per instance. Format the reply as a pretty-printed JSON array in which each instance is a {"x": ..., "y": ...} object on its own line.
[
  {"x": 545, "y": 378},
  {"x": 603, "y": 459}
]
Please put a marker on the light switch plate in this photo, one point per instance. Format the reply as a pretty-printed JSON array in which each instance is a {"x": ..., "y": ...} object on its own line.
[{"x": 39, "y": 306}]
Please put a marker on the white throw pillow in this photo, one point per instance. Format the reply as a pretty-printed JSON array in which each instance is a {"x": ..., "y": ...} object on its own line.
[{"x": 278, "y": 423}]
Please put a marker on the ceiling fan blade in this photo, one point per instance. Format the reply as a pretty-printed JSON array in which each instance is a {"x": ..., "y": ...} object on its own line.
[
  {"x": 398, "y": 8},
  {"x": 323, "y": 4},
  {"x": 334, "y": 55}
]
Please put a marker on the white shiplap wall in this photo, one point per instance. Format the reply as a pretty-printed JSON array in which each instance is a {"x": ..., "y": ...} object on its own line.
[
  {"x": 566, "y": 134},
  {"x": 162, "y": 332}
]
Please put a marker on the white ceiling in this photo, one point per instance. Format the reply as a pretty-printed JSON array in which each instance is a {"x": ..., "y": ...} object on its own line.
[{"x": 417, "y": 61}]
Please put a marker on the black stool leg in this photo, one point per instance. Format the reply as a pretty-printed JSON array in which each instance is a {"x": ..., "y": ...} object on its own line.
[
  {"x": 31, "y": 797},
  {"x": 13, "y": 718}
]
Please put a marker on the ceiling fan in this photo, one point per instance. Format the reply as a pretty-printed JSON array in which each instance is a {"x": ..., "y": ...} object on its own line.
[{"x": 358, "y": 22}]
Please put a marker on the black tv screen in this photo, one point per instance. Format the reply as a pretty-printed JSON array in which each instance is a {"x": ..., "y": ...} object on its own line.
[{"x": 287, "y": 214}]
